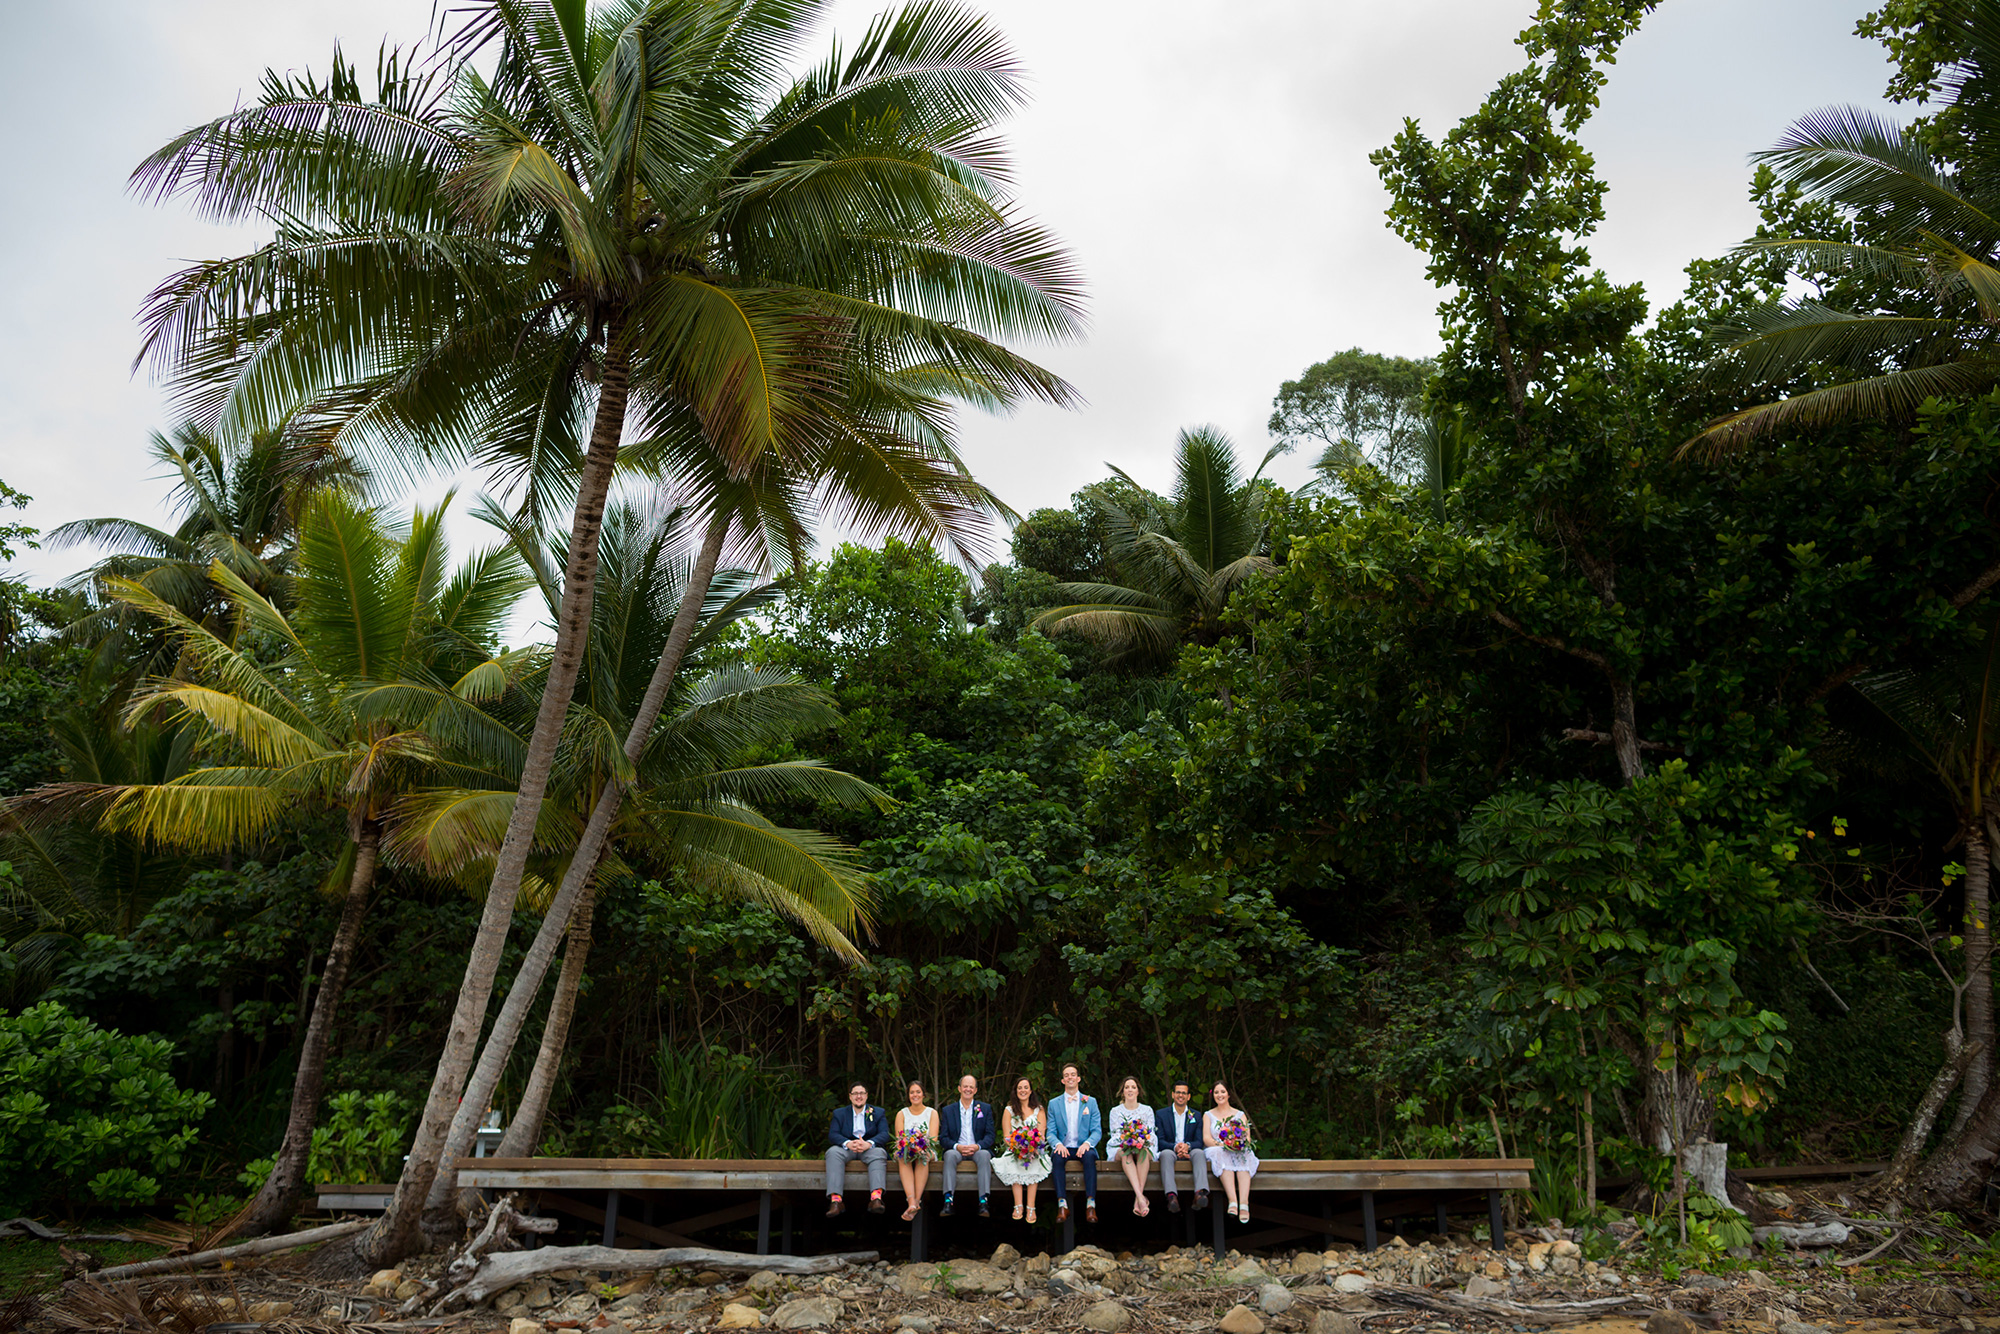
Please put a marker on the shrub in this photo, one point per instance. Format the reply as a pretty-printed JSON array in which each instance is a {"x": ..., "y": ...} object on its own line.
[{"x": 87, "y": 1114}]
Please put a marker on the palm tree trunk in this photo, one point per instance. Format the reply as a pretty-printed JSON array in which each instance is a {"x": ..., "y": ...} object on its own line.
[
  {"x": 1956, "y": 1175},
  {"x": 1978, "y": 971},
  {"x": 399, "y": 1231},
  {"x": 279, "y": 1198},
  {"x": 527, "y": 983},
  {"x": 525, "y": 1132}
]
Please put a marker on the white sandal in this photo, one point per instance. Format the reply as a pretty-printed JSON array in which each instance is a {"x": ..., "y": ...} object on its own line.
[{"x": 1231, "y": 1210}]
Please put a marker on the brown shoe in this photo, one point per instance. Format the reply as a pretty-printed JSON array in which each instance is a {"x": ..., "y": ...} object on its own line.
[
  {"x": 1090, "y": 1213},
  {"x": 834, "y": 1208},
  {"x": 1062, "y": 1213}
]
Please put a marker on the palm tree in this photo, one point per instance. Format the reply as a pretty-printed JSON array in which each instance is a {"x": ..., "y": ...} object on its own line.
[
  {"x": 238, "y": 504},
  {"x": 1941, "y": 723},
  {"x": 370, "y": 686},
  {"x": 1930, "y": 279},
  {"x": 689, "y": 805},
  {"x": 1178, "y": 559},
  {"x": 634, "y": 214}
]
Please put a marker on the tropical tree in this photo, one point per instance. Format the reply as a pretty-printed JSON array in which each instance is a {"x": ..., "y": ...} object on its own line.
[
  {"x": 1356, "y": 406},
  {"x": 370, "y": 686},
  {"x": 1178, "y": 559},
  {"x": 634, "y": 214},
  {"x": 238, "y": 504},
  {"x": 1915, "y": 250},
  {"x": 689, "y": 804}
]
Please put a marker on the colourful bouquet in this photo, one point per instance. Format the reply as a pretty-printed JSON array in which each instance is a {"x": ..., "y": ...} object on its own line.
[
  {"x": 1134, "y": 1141},
  {"x": 1026, "y": 1143},
  {"x": 914, "y": 1146},
  {"x": 1235, "y": 1136}
]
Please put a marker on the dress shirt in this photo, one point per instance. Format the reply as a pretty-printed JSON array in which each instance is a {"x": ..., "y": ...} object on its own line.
[
  {"x": 965, "y": 1136},
  {"x": 1180, "y": 1128},
  {"x": 1075, "y": 1110},
  {"x": 861, "y": 1124}
]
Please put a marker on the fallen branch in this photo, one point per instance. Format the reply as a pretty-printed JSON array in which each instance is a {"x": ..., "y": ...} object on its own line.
[
  {"x": 503, "y": 1221},
  {"x": 242, "y": 1250},
  {"x": 1864, "y": 1259},
  {"x": 1536, "y": 1313},
  {"x": 502, "y": 1270},
  {"x": 28, "y": 1227}
]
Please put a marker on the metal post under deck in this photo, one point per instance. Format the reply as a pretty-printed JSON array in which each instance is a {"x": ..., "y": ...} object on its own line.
[
  {"x": 1497, "y": 1220},
  {"x": 610, "y": 1218},
  {"x": 1444, "y": 1224},
  {"x": 763, "y": 1222},
  {"x": 1221, "y": 1243},
  {"x": 919, "y": 1236},
  {"x": 1367, "y": 1220},
  {"x": 785, "y": 1247}
]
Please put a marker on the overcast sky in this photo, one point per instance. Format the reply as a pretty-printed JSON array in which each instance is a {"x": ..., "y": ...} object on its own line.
[{"x": 1207, "y": 164}]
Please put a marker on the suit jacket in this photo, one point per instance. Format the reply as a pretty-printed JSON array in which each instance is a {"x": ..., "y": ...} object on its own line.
[
  {"x": 1090, "y": 1125},
  {"x": 948, "y": 1127},
  {"x": 841, "y": 1128},
  {"x": 1163, "y": 1125}
]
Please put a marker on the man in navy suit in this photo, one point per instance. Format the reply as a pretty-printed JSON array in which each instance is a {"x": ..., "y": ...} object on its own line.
[
  {"x": 857, "y": 1131},
  {"x": 965, "y": 1128},
  {"x": 1179, "y": 1129}
]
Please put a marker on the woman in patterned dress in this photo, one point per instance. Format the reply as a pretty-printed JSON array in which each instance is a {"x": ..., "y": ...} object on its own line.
[
  {"x": 1136, "y": 1166},
  {"x": 1234, "y": 1166},
  {"x": 1025, "y": 1109},
  {"x": 916, "y": 1175}
]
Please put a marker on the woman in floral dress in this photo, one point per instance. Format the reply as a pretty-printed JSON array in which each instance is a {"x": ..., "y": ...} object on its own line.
[
  {"x": 1023, "y": 1112},
  {"x": 1137, "y": 1164},
  {"x": 915, "y": 1171},
  {"x": 1226, "y": 1130}
]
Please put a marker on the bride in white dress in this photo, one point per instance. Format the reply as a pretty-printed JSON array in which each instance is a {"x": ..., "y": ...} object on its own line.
[{"x": 1024, "y": 1112}]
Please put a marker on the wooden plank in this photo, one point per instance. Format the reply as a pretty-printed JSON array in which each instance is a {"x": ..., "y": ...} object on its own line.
[
  {"x": 1109, "y": 1183},
  {"x": 809, "y": 1166}
]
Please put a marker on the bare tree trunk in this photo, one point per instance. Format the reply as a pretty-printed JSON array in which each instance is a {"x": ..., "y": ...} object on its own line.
[
  {"x": 590, "y": 847},
  {"x": 1625, "y": 731},
  {"x": 1956, "y": 1175},
  {"x": 399, "y": 1231},
  {"x": 1978, "y": 971},
  {"x": 1589, "y": 1155},
  {"x": 279, "y": 1197},
  {"x": 1918, "y": 1132},
  {"x": 526, "y": 1130}
]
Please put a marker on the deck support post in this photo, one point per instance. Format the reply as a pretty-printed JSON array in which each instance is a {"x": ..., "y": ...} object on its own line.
[
  {"x": 919, "y": 1242},
  {"x": 763, "y": 1222},
  {"x": 611, "y": 1218},
  {"x": 1220, "y": 1242},
  {"x": 785, "y": 1246},
  {"x": 1068, "y": 1227},
  {"x": 1367, "y": 1220},
  {"x": 1497, "y": 1220},
  {"x": 1444, "y": 1224}
]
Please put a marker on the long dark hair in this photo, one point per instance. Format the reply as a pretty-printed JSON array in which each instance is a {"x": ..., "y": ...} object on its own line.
[{"x": 1015, "y": 1103}]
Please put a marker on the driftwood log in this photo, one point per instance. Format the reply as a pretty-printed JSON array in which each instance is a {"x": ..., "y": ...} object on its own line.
[
  {"x": 497, "y": 1272},
  {"x": 28, "y": 1227},
  {"x": 241, "y": 1251},
  {"x": 1519, "y": 1313}
]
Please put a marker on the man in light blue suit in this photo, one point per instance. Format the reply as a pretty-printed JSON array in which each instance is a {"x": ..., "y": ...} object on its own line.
[{"x": 1074, "y": 1128}]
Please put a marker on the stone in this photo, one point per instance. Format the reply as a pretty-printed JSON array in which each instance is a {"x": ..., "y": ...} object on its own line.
[
  {"x": 407, "y": 1289},
  {"x": 519, "y": 1326},
  {"x": 1274, "y": 1299},
  {"x": 265, "y": 1312},
  {"x": 1247, "y": 1272},
  {"x": 1564, "y": 1246},
  {"x": 1757, "y": 1278},
  {"x": 1065, "y": 1280},
  {"x": 628, "y": 1306},
  {"x": 1538, "y": 1256},
  {"x": 1775, "y": 1316},
  {"x": 636, "y": 1283},
  {"x": 1333, "y": 1322},
  {"x": 1774, "y": 1199},
  {"x": 734, "y": 1316},
  {"x": 914, "y": 1280},
  {"x": 707, "y": 1278},
  {"x": 1468, "y": 1262},
  {"x": 1307, "y": 1262},
  {"x": 1495, "y": 1269},
  {"x": 1038, "y": 1264},
  {"x": 1805, "y": 1237},
  {"x": 610, "y": 1327},
  {"x": 1108, "y": 1317},
  {"x": 916, "y": 1324},
  {"x": 1353, "y": 1283},
  {"x": 1564, "y": 1265},
  {"x": 1670, "y": 1322},
  {"x": 538, "y": 1296},
  {"x": 1420, "y": 1271},
  {"x": 1482, "y": 1286},
  {"x": 1178, "y": 1266},
  {"x": 679, "y": 1303},
  {"x": 1800, "y": 1327},
  {"x": 383, "y": 1281},
  {"x": 976, "y": 1278},
  {"x": 764, "y": 1280},
  {"x": 1005, "y": 1257},
  {"x": 1240, "y": 1319},
  {"x": 333, "y": 1314},
  {"x": 807, "y": 1313}
]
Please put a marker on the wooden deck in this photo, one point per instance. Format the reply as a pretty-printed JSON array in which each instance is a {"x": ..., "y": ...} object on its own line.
[{"x": 664, "y": 1201}]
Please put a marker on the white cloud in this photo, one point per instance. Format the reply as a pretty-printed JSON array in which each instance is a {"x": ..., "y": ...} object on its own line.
[{"x": 1208, "y": 165}]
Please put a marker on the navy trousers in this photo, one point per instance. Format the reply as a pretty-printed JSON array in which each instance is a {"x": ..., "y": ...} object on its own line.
[{"x": 1085, "y": 1155}]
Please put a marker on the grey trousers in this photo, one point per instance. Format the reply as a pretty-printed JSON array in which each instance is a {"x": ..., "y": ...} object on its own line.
[
  {"x": 982, "y": 1162},
  {"x": 1169, "y": 1161},
  {"x": 839, "y": 1156}
]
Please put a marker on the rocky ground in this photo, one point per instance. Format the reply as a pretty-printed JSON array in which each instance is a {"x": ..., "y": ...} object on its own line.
[{"x": 1542, "y": 1279}]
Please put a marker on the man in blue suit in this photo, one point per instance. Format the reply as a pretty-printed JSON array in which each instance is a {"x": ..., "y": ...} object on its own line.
[
  {"x": 1074, "y": 1127},
  {"x": 1179, "y": 1129},
  {"x": 857, "y": 1131},
  {"x": 965, "y": 1130}
]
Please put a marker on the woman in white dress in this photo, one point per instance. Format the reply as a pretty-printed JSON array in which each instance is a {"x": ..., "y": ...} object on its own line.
[
  {"x": 1136, "y": 1165},
  {"x": 916, "y": 1174},
  {"x": 1023, "y": 1111},
  {"x": 1234, "y": 1166}
]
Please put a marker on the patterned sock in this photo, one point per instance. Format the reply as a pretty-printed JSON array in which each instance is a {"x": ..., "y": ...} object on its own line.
[
  {"x": 947, "y": 1197},
  {"x": 835, "y": 1197},
  {"x": 874, "y": 1194}
]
